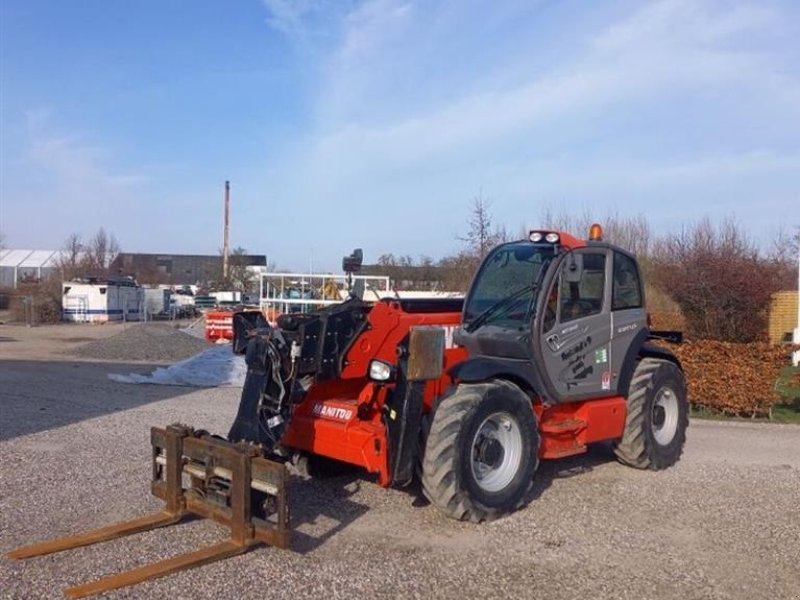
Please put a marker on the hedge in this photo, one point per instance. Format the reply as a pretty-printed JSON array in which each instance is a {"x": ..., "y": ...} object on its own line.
[{"x": 733, "y": 379}]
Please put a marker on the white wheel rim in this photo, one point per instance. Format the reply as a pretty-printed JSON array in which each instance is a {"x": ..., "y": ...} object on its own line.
[
  {"x": 664, "y": 416},
  {"x": 496, "y": 452}
]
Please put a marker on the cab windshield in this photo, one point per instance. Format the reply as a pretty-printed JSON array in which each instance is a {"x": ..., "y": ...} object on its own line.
[{"x": 505, "y": 287}]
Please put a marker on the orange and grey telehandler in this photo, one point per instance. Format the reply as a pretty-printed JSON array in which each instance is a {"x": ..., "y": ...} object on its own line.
[{"x": 549, "y": 352}]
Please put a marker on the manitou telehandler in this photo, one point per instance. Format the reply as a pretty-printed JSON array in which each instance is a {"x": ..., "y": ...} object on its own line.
[{"x": 548, "y": 353}]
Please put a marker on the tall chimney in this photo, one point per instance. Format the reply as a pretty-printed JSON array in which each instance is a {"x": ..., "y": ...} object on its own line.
[{"x": 225, "y": 246}]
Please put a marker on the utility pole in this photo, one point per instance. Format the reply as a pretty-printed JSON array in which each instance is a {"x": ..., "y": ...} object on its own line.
[{"x": 225, "y": 247}]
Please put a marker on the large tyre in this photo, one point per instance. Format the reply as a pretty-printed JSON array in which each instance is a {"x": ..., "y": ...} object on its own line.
[
  {"x": 424, "y": 430},
  {"x": 481, "y": 451},
  {"x": 658, "y": 415}
]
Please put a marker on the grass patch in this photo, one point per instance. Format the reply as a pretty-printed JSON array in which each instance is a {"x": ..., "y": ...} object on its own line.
[
  {"x": 786, "y": 413},
  {"x": 781, "y": 413},
  {"x": 788, "y": 385}
]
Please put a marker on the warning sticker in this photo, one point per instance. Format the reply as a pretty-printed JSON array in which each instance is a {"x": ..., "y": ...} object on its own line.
[
  {"x": 601, "y": 356},
  {"x": 606, "y": 380}
]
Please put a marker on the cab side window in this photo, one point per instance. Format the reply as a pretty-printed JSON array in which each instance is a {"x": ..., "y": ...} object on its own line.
[
  {"x": 583, "y": 297},
  {"x": 626, "y": 289}
]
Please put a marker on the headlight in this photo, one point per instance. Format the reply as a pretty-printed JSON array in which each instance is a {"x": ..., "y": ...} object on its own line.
[
  {"x": 380, "y": 371},
  {"x": 551, "y": 238},
  {"x": 536, "y": 236}
]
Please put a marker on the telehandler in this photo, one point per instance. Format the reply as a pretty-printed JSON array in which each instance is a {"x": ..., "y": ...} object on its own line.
[{"x": 549, "y": 352}]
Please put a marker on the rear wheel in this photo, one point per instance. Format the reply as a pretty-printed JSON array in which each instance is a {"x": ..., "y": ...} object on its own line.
[
  {"x": 481, "y": 451},
  {"x": 658, "y": 415}
]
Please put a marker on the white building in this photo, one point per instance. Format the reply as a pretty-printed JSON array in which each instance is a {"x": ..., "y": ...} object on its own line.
[
  {"x": 99, "y": 301},
  {"x": 26, "y": 265}
]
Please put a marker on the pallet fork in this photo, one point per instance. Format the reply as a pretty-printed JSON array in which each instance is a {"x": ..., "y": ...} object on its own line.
[{"x": 196, "y": 475}]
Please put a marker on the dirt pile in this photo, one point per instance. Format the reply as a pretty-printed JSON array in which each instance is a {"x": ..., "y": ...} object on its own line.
[{"x": 155, "y": 342}]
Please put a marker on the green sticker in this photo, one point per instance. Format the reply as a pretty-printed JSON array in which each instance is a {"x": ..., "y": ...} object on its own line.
[{"x": 601, "y": 356}]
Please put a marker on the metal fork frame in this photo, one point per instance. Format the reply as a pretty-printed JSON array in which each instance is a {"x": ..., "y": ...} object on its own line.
[{"x": 174, "y": 450}]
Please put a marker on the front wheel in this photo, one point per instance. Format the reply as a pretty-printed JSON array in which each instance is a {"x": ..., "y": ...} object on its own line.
[
  {"x": 658, "y": 415},
  {"x": 481, "y": 451}
]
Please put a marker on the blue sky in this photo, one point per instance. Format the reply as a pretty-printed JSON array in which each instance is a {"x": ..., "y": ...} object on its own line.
[{"x": 374, "y": 123}]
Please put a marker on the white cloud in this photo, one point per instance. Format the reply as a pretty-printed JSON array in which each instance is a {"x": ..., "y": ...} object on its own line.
[
  {"x": 69, "y": 177},
  {"x": 369, "y": 25},
  {"x": 727, "y": 166},
  {"x": 287, "y": 16},
  {"x": 685, "y": 22},
  {"x": 306, "y": 23},
  {"x": 632, "y": 176},
  {"x": 76, "y": 164},
  {"x": 666, "y": 48},
  {"x": 649, "y": 103}
]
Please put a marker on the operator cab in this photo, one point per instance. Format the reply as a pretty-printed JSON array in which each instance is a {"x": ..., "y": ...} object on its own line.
[{"x": 559, "y": 315}]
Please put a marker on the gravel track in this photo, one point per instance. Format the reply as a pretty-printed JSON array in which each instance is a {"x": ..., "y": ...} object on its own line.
[
  {"x": 723, "y": 524},
  {"x": 156, "y": 342}
]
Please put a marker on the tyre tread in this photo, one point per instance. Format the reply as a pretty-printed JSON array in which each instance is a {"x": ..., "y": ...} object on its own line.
[
  {"x": 635, "y": 448},
  {"x": 439, "y": 479}
]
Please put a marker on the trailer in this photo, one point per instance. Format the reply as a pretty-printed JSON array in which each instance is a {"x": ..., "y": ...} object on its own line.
[
  {"x": 95, "y": 300},
  {"x": 157, "y": 302}
]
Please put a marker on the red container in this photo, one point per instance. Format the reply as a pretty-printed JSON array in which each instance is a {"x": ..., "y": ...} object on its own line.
[{"x": 219, "y": 325}]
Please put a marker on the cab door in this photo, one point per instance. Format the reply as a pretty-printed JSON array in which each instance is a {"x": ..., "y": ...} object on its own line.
[
  {"x": 628, "y": 315},
  {"x": 575, "y": 336}
]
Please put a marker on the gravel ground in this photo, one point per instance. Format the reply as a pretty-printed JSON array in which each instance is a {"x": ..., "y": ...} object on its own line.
[
  {"x": 722, "y": 524},
  {"x": 156, "y": 342}
]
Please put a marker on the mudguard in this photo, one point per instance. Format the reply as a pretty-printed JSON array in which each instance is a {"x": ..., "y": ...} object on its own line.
[
  {"x": 641, "y": 348},
  {"x": 653, "y": 351},
  {"x": 483, "y": 368}
]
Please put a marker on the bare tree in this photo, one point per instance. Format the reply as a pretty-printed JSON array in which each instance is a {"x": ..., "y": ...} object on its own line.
[
  {"x": 524, "y": 231},
  {"x": 240, "y": 277},
  {"x": 101, "y": 251},
  {"x": 631, "y": 233},
  {"x": 457, "y": 271},
  {"x": 570, "y": 222},
  {"x": 718, "y": 279},
  {"x": 92, "y": 258},
  {"x": 407, "y": 273},
  {"x": 481, "y": 236},
  {"x": 71, "y": 260},
  {"x": 784, "y": 253},
  {"x": 387, "y": 260}
]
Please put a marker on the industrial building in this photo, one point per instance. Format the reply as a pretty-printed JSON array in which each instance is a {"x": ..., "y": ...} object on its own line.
[{"x": 179, "y": 269}]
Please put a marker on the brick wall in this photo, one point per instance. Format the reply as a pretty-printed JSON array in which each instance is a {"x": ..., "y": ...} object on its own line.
[{"x": 782, "y": 316}]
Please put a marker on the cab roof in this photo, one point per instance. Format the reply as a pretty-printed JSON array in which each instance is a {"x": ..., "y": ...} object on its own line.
[{"x": 561, "y": 238}]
